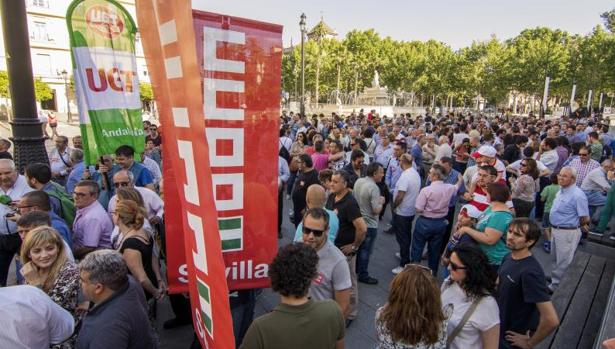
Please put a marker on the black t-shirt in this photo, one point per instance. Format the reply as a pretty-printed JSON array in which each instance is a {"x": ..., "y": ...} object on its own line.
[
  {"x": 522, "y": 284},
  {"x": 303, "y": 181},
  {"x": 347, "y": 210}
]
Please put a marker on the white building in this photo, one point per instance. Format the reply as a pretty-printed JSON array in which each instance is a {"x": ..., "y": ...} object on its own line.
[{"x": 50, "y": 48}]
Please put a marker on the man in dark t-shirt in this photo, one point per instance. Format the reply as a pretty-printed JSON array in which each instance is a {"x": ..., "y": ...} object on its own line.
[
  {"x": 527, "y": 315},
  {"x": 351, "y": 232},
  {"x": 307, "y": 177}
]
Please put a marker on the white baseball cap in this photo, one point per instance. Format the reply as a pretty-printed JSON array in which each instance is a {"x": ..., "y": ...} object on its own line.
[{"x": 485, "y": 150}]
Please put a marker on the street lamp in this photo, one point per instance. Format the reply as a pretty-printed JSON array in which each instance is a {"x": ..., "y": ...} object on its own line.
[
  {"x": 27, "y": 131},
  {"x": 64, "y": 76},
  {"x": 302, "y": 27}
]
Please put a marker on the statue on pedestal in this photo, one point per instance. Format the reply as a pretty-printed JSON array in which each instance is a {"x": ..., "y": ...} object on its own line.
[{"x": 376, "y": 81}]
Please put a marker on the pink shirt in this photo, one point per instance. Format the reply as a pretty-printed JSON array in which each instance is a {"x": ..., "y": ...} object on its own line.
[
  {"x": 433, "y": 200},
  {"x": 320, "y": 160}
]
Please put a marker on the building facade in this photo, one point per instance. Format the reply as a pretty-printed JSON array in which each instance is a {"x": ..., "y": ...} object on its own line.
[{"x": 50, "y": 50}]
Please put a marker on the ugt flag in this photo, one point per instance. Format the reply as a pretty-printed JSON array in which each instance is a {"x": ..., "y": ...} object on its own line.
[{"x": 102, "y": 40}]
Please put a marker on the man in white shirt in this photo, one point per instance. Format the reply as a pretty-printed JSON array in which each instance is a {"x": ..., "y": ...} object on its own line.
[
  {"x": 153, "y": 167},
  {"x": 30, "y": 319},
  {"x": 15, "y": 186},
  {"x": 548, "y": 154},
  {"x": 443, "y": 149},
  {"x": 404, "y": 199},
  {"x": 59, "y": 160},
  {"x": 154, "y": 206}
]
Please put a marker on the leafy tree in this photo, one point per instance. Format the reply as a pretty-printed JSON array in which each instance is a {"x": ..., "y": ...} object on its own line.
[
  {"x": 4, "y": 84},
  {"x": 42, "y": 90},
  {"x": 146, "y": 92},
  {"x": 609, "y": 20}
]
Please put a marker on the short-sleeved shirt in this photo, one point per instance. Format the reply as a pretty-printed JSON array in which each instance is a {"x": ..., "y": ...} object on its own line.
[
  {"x": 315, "y": 324},
  {"x": 333, "y": 273},
  {"x": 347, "y": 210},
  {"x": 548, "y": 194},
  {"x": 498, "y": 220},
  {"x": 334, "y": 226},
  {"x": 367, "y": 194},
  {"x": 569, "y": 204},
  {"x": 521, "y": 285},
  {"x": 410, "y": 183},
  {"x": 485, "y": 316}
]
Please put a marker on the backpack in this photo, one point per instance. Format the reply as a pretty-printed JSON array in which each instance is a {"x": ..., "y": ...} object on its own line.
[
  {"x": 66, "y": 203},
  {"x": 284, "y": 153}
]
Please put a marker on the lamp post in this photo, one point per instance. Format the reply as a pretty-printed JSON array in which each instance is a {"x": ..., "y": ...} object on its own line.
[
  {"x": 64, "y": 76},
  {"x": 27, "y": 131},
  {"x": 302, "y": 26}
]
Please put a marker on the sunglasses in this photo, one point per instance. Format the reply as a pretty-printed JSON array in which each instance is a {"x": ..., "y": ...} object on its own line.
[
  {"x": 456, "y": 267},
  {"x": 583, "y": 154},
  {"x": 317, "y": 233},
  {"x": 80, "y": 195},
  {"x": 120, "y": 184}
]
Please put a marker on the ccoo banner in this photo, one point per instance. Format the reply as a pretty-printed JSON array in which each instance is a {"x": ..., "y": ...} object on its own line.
[
  {"x": 168, "y": 42},
  {"x": 240, "y": 63},
  {"x": 102, "y": 40}
]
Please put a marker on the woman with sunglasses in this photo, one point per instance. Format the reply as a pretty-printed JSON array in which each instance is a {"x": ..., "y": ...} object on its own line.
[
  {"x": 525, "y": 187},
  {"x": 413, "y": 317},
  {"x": 475, "y": 320}
]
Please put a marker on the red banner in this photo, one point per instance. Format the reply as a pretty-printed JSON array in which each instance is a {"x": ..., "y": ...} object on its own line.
[
  {"x": 240, "y": 63},
  {"x": 168, "y": 41}
]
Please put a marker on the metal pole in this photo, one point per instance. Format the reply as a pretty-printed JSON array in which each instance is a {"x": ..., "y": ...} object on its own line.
[
  {"x": 68, "y": 113},
  {"x": 302, "y": 109},
  {"x": 27, "y": 131},
  {"x": 545, "y": 95},
  {"x": 589, "y": 102}
]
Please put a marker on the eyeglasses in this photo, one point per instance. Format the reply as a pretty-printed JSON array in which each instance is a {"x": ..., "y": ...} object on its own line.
[
  {"x": 456, "y": 267},
  {"x": 583, "y": 154},
  {"x": 80, "y": 195},
  {"x": 153, "y": 129},
  {"x": 353, "y": 144},
  {"x": 317, "y": 233},
  {"x": 121, "y": 184}
]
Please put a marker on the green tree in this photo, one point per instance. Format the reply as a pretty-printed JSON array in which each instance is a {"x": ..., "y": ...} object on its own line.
[
  {"x": 146, "y": 92},
  {"x": 42, "y": 90},
  {"x": 4, "y": 84},
  {"x": 609, "y": 20}
]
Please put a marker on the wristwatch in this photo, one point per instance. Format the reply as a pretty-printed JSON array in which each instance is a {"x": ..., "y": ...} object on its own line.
[{"x": 354, "y": 248}]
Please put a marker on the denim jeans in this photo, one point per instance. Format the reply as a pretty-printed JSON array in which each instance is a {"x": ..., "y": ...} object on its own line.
[
  {"x": 428, "y": 231},
  {"x": 403, "y": 235},
  {"x": 365, "y": 251},
  {"x": 595, "y": 199}
]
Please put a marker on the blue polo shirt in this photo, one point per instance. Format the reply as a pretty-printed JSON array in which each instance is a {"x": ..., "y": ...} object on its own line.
[{"x": 569, "y": 204}]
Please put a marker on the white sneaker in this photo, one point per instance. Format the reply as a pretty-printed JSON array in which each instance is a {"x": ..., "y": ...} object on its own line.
[
  {"x": 397, "y": 270},
  {"x": 397, "y": 255}
]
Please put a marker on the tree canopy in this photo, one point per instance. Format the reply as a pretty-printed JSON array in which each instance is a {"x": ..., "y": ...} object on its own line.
[{"x": 492, "y": 68}]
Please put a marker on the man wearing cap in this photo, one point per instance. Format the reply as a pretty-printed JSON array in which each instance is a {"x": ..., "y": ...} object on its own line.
[{"x": 486, "y": 156}]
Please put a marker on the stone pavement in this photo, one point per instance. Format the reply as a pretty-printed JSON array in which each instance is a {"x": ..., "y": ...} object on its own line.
[{"x": 361, "y": 334}]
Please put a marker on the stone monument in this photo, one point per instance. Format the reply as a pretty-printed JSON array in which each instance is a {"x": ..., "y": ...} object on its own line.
[{"x": 374, "y": 95}]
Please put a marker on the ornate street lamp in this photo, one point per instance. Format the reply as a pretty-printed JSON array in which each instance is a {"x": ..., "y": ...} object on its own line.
[
  {"x": 64, "y": 76},
  {"x": 27, "y": 131},
  {"x": 303, "y": 31}
]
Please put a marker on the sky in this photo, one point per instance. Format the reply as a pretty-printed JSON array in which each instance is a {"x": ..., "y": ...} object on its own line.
[{"x": 455, "y": 22}]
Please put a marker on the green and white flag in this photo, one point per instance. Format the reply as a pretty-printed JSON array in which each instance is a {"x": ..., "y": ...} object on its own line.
[{"x": 102, "y": 39}]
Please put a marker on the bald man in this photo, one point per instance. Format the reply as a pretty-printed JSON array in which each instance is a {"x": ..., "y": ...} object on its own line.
[{"x": 316, "y": 197}]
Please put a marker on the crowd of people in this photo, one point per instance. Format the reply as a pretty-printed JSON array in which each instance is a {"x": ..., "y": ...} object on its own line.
[
  {"x": 471, "y": 194},
  {"x": 86, "y": 243}
]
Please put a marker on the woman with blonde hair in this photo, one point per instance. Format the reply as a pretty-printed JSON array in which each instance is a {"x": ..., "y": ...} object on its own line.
[
  {"x": 413, "y": 317},
  {"x": 46, "y": 266},
  {"x": 136, "y": 246}
]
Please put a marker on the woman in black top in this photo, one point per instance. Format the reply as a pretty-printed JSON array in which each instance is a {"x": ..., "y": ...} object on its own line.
[{"x": 136, "y": 247}]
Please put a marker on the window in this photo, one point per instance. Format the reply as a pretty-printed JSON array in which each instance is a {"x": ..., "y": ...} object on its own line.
[
  {"x": 40, "y": 3},
  {"x": 42, "y": 64},
  {"x": 39, "y": 31}
]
